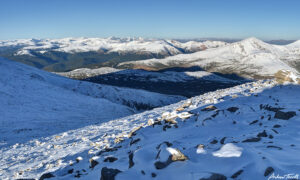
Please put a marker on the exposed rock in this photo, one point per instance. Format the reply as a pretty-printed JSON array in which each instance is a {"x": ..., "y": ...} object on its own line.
[
  {"x": 119, "y": 140},
  {"x": 222, "y": 140},
  {"x": 150, "y": 122},
  {"x": 46, "y": 176},
  {"x": 276, "y": 126},
  {"x": 254, "y": 139},
  {"x": 268, "y": 171},
  {"x": 131, "y": 163},
  {"x": 110, "y": 159},
  {"x": 200, "y": 149},
  {"x": 214, "y": 141},
  {"x": 78, "y": 159},
  {"x": 253, "y": 122},
  {"x": 215, "y": 176},
  {"x": 270, "y": 108},
  {"x": 232, "y": 109},
  {"x": 109, "y": 149},
  {"x": 180, "y": 109},
  {"x": 176, "y": 155},
  {"x": 133, "y": 141},
  {"x": 262, "y": 134},
  {"x": 209, "y": 108},
  {"x": 108, "y": 173},
  {"x": 93, "y": 163},
  {"x": 133, "y": 132},
  {"x": 70, "y": 171},
  {"x": 283, "y": 76},
  {"x": 276, "y": 147},
  {"x": 284, "y": 115},
  {"x": 235, "y": 175},
  {"x": 153, "y": 174}
]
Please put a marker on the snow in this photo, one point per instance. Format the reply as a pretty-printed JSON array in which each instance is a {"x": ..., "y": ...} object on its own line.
[
  {"x": 109, "y": 45},
  {"x": 251, "y": 56},
  {"x": 228, "y": 150},
  {"x": 28, "y": 97}
]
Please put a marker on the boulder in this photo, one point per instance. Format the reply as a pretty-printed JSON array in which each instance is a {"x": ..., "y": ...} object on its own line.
[
  {"x": 284, "y": 115},
  {"x": 109, "y": 173}
]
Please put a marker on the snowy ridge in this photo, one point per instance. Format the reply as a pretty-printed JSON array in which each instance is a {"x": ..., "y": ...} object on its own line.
[
  {"x": 250, "y": 58},
  {"x": 47, "y": 100},
  {"x": 107, "y": 45},
  {"x": 57, "y": 152}
]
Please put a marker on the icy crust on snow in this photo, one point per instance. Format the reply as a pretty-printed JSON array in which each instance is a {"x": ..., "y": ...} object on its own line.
[
  {"x": 36, "y": 103},
  {"x": 251, "y": 56},
  {"x": 58, "y": 151},
  {"x": 73, "y": 45}
]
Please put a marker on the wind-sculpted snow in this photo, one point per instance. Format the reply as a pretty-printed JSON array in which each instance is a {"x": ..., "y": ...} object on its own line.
[{"x": 240, "y": 134}]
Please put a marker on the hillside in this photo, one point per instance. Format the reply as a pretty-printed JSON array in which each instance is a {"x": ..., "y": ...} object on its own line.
[
  {"x": 250, "y": 58},
  {"x": 72, "y": 53},
  {"x": 36, "y": 104},
  {"x": 240, "y": 132}
]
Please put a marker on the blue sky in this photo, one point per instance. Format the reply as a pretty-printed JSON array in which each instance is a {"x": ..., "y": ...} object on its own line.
[{"x": 265, "y": 19}]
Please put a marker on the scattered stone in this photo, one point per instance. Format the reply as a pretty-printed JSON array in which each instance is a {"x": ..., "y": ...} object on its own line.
[
  {"x": 276, "y": 147},
  {"x": 232, "y": 109},
  {"x": 108, "y": 173},
  {"x": 254, "y": 139},
  {"x": 262, "y": 134},
  {"x": 284, "y": 115},
  {"x": 109, "y": 149},
  {"x": 176, "y": 155},
  {"x": 268, "y": 171},
  {"x": 222, "y": 140},
  {"x": 150, "y": 122},
  {"x": 276, "y": 126},
  {"x": 153, "y": 174},
  {"x": 275, "y": 131},
  {"x": 131, "y": 163},
  {"x": 171, "y": 121},
  {"x": 93, "y": 163},
  {"x": 46, "y": 176},
  {"x": 253, "y": 122},
  {"x": 119, "y": 140},
  {"x": 143, "y": 172},
  {"x": 78, "y": 159},
  {"x": 165, "y": 142},
  {"x": 214, "y": 141},
  {"x": 70, "y": 171},
  {"x": 215, "y": 176},
  {"x": 270, "y": 108},
  {"x": 133, "y": 132},
  {"x": 200, "y": 149},
  {"x": 209, "y": 108},
  {"x": 235, "y": 175},
  {"x": 180, "y": 109},
  {"x": 133, "y": 141},
  {"x": 110, "y": 159},
  {"x": 271, "y": 136}
]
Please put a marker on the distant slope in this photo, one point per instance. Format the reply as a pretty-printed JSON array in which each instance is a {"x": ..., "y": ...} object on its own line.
[
  {"x": 72, "y": 53},
  {"x": 35, "y": 103},
  {"x": 251, "y": 58}
]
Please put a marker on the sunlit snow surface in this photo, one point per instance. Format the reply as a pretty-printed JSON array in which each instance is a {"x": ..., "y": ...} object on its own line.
[{"x": 55, "y": 152}]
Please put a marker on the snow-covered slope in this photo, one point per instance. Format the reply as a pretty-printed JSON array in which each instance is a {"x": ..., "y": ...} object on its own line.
[
  {"x": 112, "y": 44},
  {"x": 141, "y": 75},
  {"x": 249, "y": 58},
  {"x": 35, "y": 103},
  {"x": 251, "y": 130}
]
